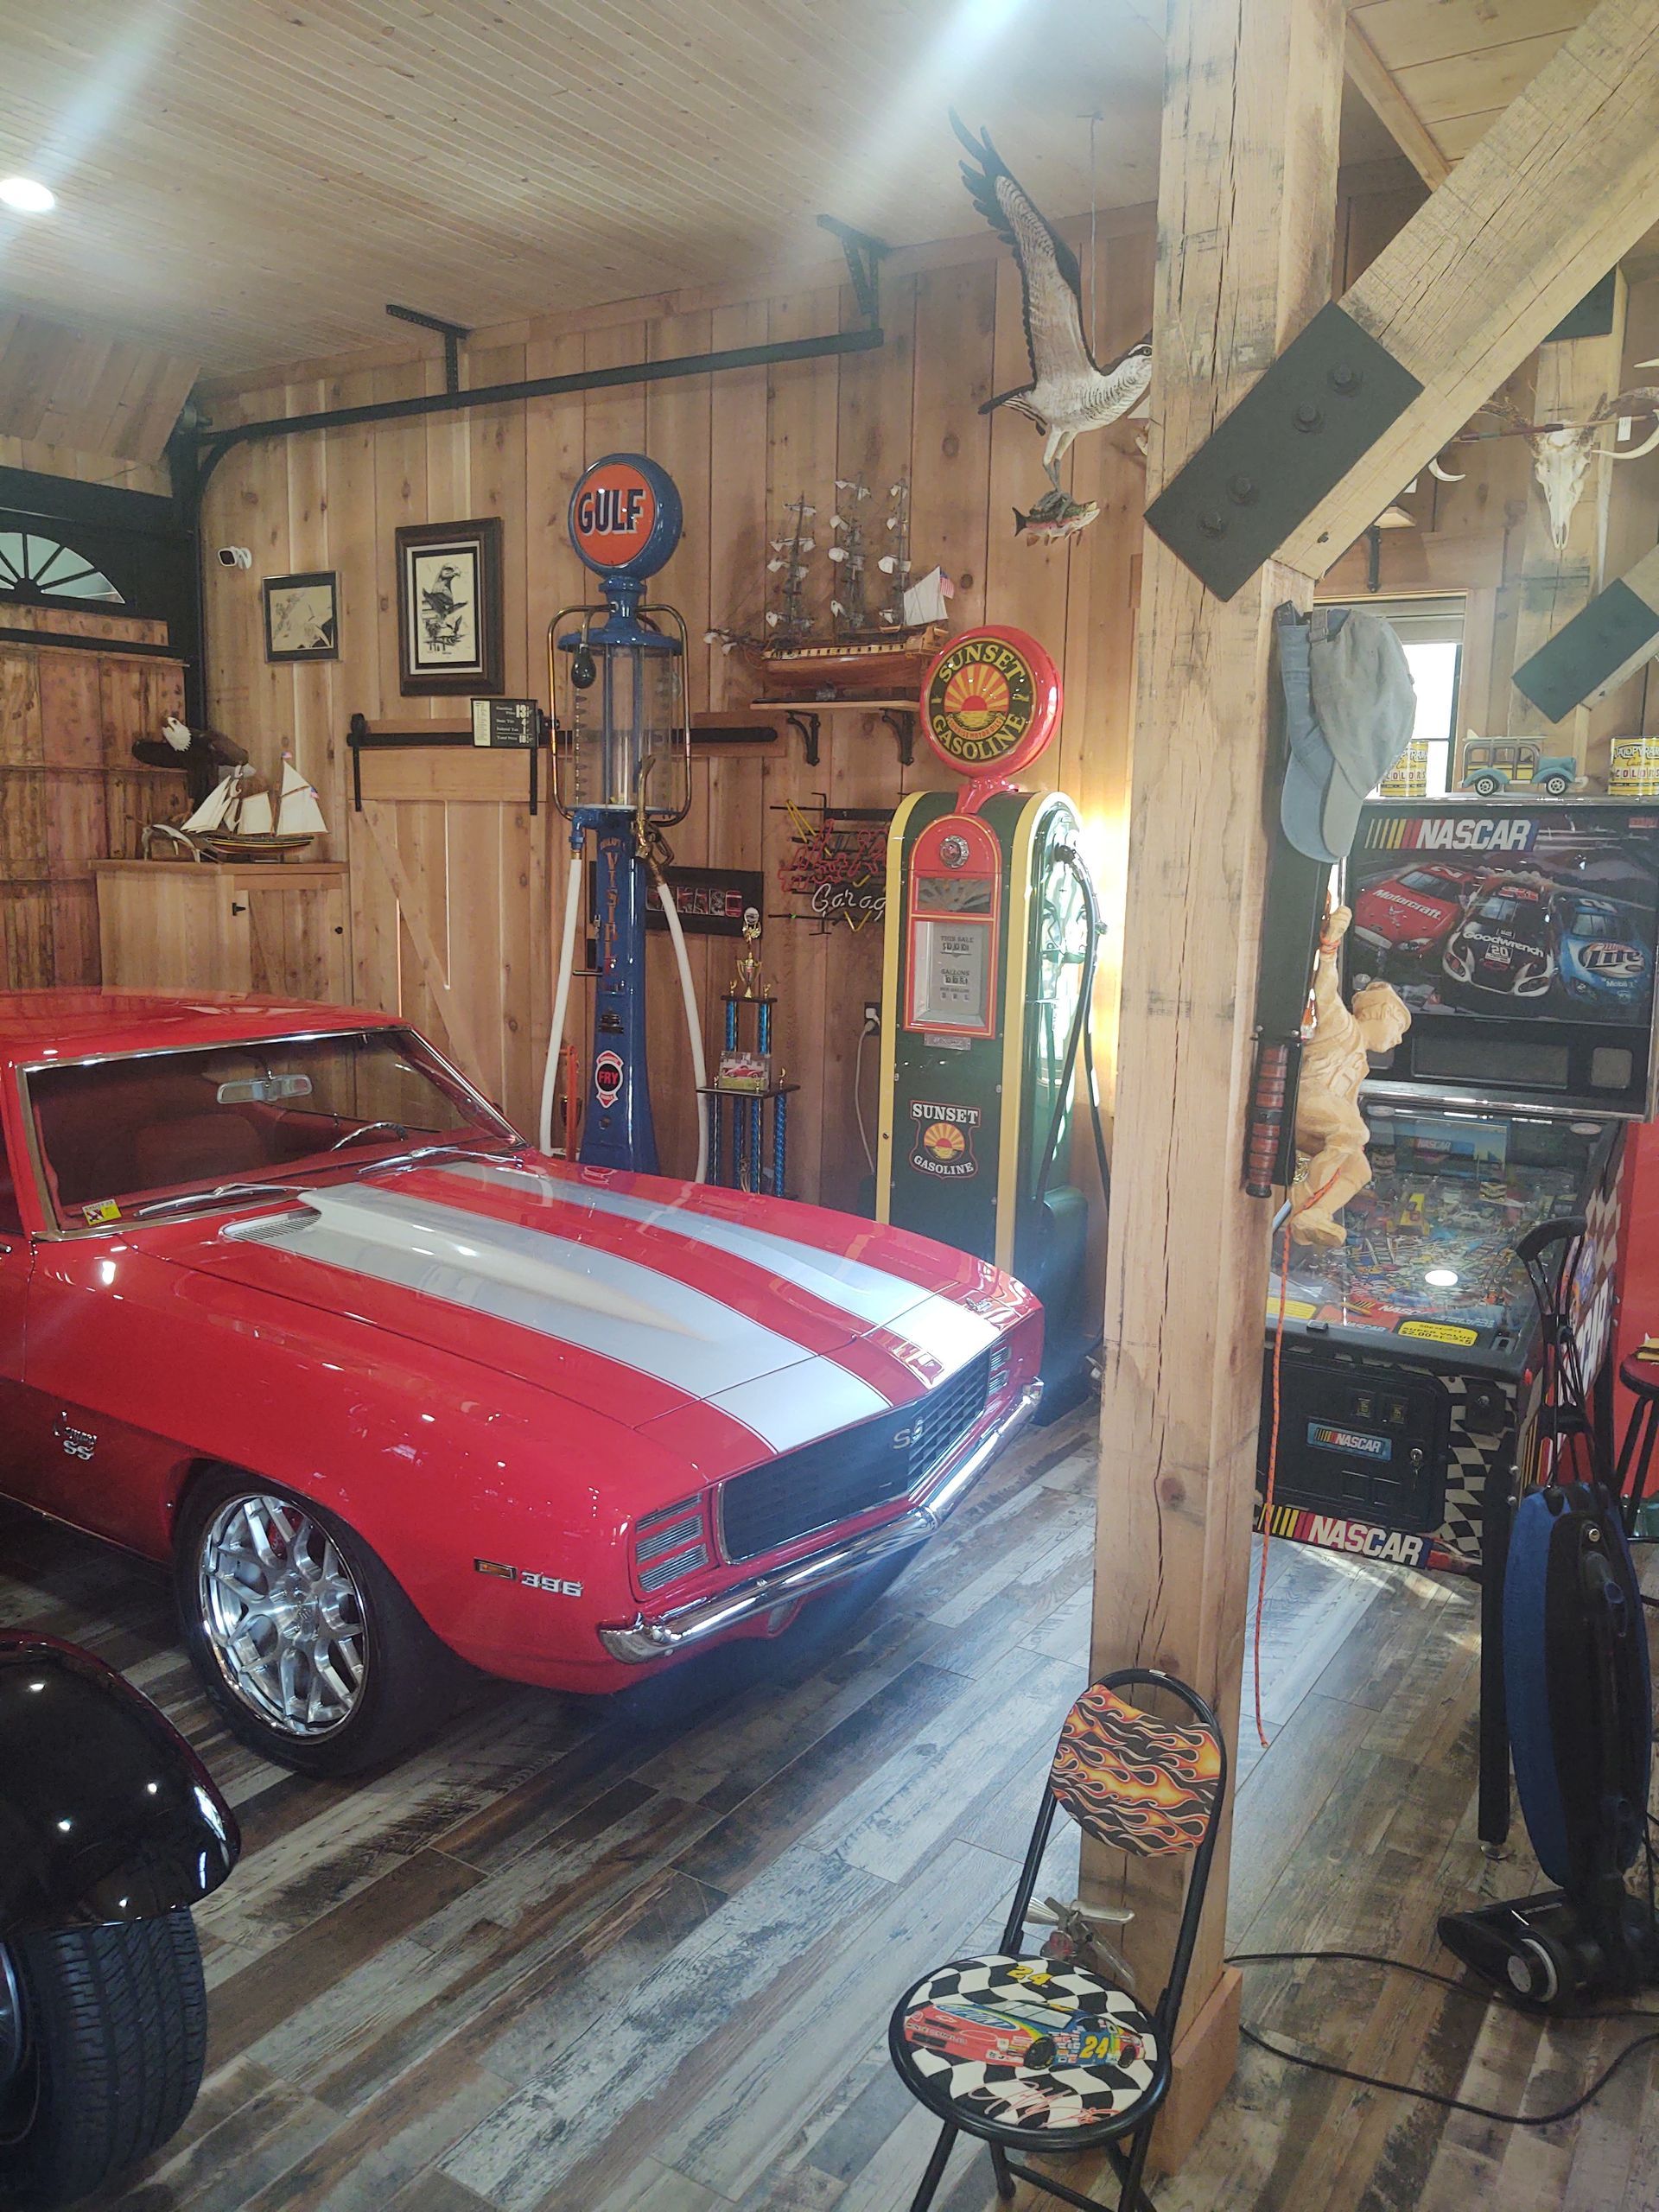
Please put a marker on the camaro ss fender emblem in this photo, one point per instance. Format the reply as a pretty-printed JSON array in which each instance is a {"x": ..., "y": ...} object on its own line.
[
  {"x": 78, "y": 1443},
  {"x": 554, "y": 1585}
]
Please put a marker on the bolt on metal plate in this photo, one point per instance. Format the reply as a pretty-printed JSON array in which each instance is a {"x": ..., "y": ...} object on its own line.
[{"x": 1323, "y": 404}]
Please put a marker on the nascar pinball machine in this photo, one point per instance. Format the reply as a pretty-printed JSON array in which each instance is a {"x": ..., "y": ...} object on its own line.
[{"x": 1522, "y": 936}]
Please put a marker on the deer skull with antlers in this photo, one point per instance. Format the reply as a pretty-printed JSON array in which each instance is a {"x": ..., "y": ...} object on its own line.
[{"x": 1561, "y": 452}]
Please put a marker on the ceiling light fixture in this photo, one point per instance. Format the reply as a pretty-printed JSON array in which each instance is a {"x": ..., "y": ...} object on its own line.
[{"x": 27, "y": 196}]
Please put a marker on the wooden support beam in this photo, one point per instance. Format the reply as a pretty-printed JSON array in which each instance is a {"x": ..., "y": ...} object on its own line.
[
  {"x": 1562, "y": 185},
  {"x": 1377, "y": 84},
  {"x": 1247, "y": 196},
  {"x": 1574, "y": 376}
]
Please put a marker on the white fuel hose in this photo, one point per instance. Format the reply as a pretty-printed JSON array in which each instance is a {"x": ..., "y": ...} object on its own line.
[
  {"x": 693, "y": 1022},
  {"x": 560, "y": 1000}
]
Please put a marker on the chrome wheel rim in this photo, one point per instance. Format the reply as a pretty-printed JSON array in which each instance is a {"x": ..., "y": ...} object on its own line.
[
  {"x": 19, "y": 2076},
  {"x": 283, "y": 1615}
]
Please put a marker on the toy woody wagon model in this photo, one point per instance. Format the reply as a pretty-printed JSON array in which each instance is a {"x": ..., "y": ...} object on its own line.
[{"x": 285, "y": 1301}]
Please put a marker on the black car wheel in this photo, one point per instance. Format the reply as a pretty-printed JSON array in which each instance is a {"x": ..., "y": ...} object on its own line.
[
  {"x": 1484, "y": 786},
  {"x": 102, "y": 2036},
  {"x": 303, "y": 1641}
]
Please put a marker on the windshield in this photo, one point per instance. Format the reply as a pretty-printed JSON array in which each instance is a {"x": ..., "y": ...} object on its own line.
[{"x": 114, "y": 1133}]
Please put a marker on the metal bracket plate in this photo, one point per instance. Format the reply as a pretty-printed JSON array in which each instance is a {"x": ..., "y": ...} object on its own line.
[
  {"x": 1608, "y": 639},
  {"x": 1323, "y": 404}
]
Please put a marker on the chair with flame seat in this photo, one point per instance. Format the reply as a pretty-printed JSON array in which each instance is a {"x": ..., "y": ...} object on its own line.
[{"x": 1029, "y": 2054}]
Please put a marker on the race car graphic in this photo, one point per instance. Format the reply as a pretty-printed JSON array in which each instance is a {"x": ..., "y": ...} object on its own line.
[
  {"x": 1037, "y": 2038},
  {"x": 1409, "y": 914},
  {"x": 1602, "y": 962},
  {"x": 1505, "y": 944}
]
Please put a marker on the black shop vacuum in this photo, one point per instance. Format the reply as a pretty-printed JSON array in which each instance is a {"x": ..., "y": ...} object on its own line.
[{"x": 1580, "y": 1707}]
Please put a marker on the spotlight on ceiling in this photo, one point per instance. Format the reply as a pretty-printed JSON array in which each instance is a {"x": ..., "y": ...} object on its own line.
[{"x": 27, "y": 196}]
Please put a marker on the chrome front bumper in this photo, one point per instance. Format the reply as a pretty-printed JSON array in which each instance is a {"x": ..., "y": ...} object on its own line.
[{"x": 641, "y": 1640}]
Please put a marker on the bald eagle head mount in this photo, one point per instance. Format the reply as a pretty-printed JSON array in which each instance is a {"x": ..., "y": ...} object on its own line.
[{"x": 1070, "y": 392}]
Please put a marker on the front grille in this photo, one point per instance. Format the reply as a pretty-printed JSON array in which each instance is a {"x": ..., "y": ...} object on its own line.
[{"x": 840, "y": 1477}]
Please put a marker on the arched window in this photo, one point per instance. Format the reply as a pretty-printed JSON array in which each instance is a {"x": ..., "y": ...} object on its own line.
[{"x": 36, "y": 570}]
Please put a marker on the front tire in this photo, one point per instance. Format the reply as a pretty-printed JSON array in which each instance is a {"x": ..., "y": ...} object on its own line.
[
  {"x": 103, "y": 2053},
  {"x": 304, "y": 1642}
]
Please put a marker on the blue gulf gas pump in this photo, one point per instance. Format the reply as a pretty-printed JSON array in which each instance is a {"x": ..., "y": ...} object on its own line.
[{"x": 621, "y": 775}]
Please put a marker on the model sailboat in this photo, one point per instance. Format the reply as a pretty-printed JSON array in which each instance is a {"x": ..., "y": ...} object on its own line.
[{"x": 237, "y": 821}]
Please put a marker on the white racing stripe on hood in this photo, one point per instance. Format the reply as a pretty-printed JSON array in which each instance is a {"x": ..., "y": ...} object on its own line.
[
  {"x": 577, "y": 1296},
  {"x": 951, "y": 1333}
]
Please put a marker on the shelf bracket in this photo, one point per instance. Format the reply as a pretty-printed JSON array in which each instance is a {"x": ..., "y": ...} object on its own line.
[
  {"x": 902, "y": 721},
  {"x": 806, "y": 726},
  {"x": 864, "y": 255}
]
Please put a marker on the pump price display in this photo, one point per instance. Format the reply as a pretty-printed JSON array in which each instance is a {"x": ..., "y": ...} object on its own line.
[{"x": 953, "y": 976}]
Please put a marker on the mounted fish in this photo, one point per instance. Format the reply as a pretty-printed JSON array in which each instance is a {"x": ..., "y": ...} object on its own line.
[{"x": 1069, "y": 392}]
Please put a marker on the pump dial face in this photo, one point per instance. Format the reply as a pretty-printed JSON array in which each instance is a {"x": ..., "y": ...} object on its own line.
[
  {"x": 624, "y": 516},
  {"x": 990, "y": 701}
]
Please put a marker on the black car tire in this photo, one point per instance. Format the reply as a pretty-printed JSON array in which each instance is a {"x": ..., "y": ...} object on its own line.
[
  {"x": 1484, "y": 786},
  {"x": 114, "y": 2033},
  {"x": 410, "y": 1678},
  {"x": 1557, "y": 786}
]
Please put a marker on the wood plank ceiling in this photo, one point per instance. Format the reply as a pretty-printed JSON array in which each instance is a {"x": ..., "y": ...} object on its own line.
[
  {"x": 253, "y": 184},
  {"x": 249, "y": 184},
  {"x": 1459, "y": 63}
]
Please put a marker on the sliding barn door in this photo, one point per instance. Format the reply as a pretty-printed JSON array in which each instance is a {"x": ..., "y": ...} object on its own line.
[{"x": 71, "y": 792}]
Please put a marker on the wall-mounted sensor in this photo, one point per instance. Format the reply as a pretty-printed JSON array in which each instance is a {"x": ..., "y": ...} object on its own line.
[{"x": 235, "y": 557}]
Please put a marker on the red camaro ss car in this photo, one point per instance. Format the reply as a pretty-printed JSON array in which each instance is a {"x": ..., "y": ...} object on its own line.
[{"x": 284, "y": 1299}]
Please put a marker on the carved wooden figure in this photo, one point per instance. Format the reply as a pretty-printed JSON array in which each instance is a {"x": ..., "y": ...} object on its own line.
[{"x": 1330, "y": 1132}]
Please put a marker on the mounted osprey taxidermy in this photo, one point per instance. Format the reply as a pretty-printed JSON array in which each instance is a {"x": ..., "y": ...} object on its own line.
[{"x": 1069, "y": 392}]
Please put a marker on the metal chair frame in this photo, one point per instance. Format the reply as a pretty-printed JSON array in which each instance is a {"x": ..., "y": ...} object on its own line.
[
  {"x": 1108, "y": 2135},
  {"x": 1551, "y": 1253}
]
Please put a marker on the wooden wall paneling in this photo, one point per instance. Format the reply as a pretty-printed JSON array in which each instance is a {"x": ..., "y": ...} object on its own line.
[
  {"x": 427, "y": 976},
  {"x": 1025, "y": 585},
  {"x": 956, "y": 319},
  {"x": 93, "y": 622},
  {"x": 21, "y": 740},
  {"x": 677, "y": 432},
  {"x": 554, "y": 449},
  {"x": 801, "y": 426},
  {"x": 733, "y": 788},
  {"x": 874, "y": 421},
  {"x": 400, "y": 498},
  {"x": 86, "y": 468},
  {"x": 494, "y": 439},
  {"x": 738, "y": 520},
  {"x": 361, "y": 558},
  {"x": 315, "y": 744}
]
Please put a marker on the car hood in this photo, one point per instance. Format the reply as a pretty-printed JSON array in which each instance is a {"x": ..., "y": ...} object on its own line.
[{"x": 637, "y": 1297}]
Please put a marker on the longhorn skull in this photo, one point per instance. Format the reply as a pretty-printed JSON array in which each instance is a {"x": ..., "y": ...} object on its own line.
[
  {"x": 1561, "y": 452},
  {"x": 1560, "y": 459}
]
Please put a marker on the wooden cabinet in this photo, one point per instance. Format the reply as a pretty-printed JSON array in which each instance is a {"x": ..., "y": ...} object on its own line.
[{"x": 269, "y": 927}]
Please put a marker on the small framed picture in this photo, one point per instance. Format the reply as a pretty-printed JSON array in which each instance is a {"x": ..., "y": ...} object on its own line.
[
  {"x": 449, "y": 607},
  {"x": 302, "y": 617}
]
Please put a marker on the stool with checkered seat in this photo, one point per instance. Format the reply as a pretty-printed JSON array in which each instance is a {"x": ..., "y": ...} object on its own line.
[{"x": 1031, "y": 2054}]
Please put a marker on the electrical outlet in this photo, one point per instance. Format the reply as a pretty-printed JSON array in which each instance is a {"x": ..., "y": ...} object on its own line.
[{"x": 872, "y": 1014}]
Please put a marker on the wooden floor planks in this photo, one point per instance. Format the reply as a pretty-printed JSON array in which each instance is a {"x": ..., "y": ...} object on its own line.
[{"x": 558, "y": 1964}]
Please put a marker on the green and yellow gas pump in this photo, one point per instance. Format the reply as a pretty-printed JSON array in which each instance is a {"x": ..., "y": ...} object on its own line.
[{"x": 993, "y": 931}]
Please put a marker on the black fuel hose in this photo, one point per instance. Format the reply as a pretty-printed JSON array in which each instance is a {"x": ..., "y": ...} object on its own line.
[{"x": 1081, "y": 1030}]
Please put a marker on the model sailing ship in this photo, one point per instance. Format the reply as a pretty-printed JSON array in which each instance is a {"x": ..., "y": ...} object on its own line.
[
  {"x": 237, "y": 820},
  {"x": 880, "y": 655}
]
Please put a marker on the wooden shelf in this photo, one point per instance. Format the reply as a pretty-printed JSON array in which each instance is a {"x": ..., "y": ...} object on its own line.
[{"x": 802, "y": 713}]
